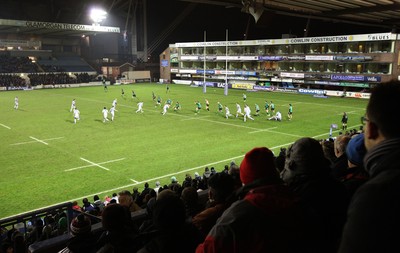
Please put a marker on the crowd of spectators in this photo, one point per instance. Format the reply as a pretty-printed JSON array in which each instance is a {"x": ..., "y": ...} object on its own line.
[
  {"x": 303, "y": 200},
  {"x": 10, "y": 64},
  {"x": 7, "y": 80}
]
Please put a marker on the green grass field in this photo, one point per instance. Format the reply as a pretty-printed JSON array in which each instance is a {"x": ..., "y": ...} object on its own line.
[{"x": 46, "y": 159}]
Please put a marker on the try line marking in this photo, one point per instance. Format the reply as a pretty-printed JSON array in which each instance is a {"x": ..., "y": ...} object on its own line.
[
  {"x": 26, "y": 142},
  {"x": 5, "y": 126},
  {"x": 91, "y": 164}
]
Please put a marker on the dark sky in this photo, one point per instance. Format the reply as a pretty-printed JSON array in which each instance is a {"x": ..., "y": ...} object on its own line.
[{"x": 216, "y": 19}]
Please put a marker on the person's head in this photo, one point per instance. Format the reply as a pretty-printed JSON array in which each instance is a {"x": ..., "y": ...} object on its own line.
[
  {"x": 340, "y": 144},
  {"x": 356, "y": 151},
  {"x": 169, "y": 211},
  {"x": 221, "y": 186},
  {"x": 146, "y": 185},
  {"x": 80, "y": 225},
  {"x": 258, "y": 163},
  {"x": 380, "y": 123},
  {"x": 96, "y": 197},
  {"x": 125, "y": 198},
  {"x": 115, "y": 217},
  {"x": 304, "y": 157}
]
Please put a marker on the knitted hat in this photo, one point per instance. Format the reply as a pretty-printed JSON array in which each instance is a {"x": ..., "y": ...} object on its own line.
[
  {"x": 258, "y": 163},
  {"x": 80, "y": 224},
  {"x": 356, "y": 150},
  {"x": 173, "y": 180}
]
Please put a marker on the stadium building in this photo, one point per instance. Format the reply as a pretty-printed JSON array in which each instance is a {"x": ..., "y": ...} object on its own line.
[{"x": 351, "y": 63}]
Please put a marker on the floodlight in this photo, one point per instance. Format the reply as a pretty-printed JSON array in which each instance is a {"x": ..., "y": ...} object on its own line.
[{"x": 98, "y": 15}]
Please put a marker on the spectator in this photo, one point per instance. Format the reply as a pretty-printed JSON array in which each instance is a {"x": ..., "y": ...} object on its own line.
[
  {"x": 339, "y": 166},
  {"x": 87, "y": 206},
  {"x": 98, "y": 203},
  {"x": 221, "y": 188},
  {"x": 125, "y": 199},
  {"x": 158, "y": 184},
  {"x": 356, "y": 174},
  {"x": 171, "y": 233},
  {"x": 190, "y": 200},
  {"x": 82, "y": 240},
  {"x": 325, "y": 200},
  {"x": 266, "y": 217},
  {"x": 373, "y": 216},
  {"x": 119, "y": 230}
]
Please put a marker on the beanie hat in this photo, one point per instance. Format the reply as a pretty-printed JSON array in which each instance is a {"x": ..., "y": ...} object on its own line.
[
  {"x": 258, "y": 163},
  {"x": 173, "y": 180},
  {"x": 356, "y": 150},
  {"x": 80, "y": 224}
]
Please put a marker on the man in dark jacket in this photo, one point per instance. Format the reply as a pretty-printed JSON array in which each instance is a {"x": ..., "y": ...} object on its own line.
[
  {"x": 373, "y": 219},
  {"x": 266, "y": 219},
  {"x": 325, "y": 199}
]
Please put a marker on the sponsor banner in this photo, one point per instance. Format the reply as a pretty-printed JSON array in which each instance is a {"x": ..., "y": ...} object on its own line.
[
  {"x": 208, "y": 58},
  {"x": 286, "y": 41},
  {"x": 174, "y": 70},
  {"x": 275, "y": 79},
  {"x": 164, "y": 63},
  {"x": 246, "y": 73},
  {"x": 319, "y": 58},
  {"x": 348, "y": 78},
  {"x": 187, "y": 71},
  {"x": 298, "y": 80},
  {"x": 2, "y": 88},
  {"x": 287, "y": 80},
  {"x": 353, "y": 58},
  {"x": 372, "y": 79},
  {"x": 312, "y": 91},
  {"x": 237, "y": 58},
  {"x": 59, "y": 26},
  {"x": 222, "y": 85},
  {"x": 292, "y": 75},
  {"x": 271, "y": 58},
  {"x": 286, "y": 90},
  {"x": 224, "y": 72},
  {"x": 320, "y": 96},
  {"x": 246, "y": 86},
  {"x": 360, "y": 85},
  {"x": 334, "y": 93},
  {"x": 296, "y": 58},
  {"x": 190, "y": 57},
  {"x": 208, "y": 71},
  {"x": 187, "y": 82},
  {"x": 327, "y": 83},
  {"x": 263, "y": 88}
]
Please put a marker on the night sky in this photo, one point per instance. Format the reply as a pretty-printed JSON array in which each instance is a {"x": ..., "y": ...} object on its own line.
[{"x": 216, "y": 19}]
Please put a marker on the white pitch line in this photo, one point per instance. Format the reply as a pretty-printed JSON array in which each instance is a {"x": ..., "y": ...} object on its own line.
[
  {"x": 91, "y": 165},
  {"x": 5, "y": 126},
  {"x": 36, "y": 139},
  {"x": 192, "y": 118},
  {"x": 136, "y": 182},
  {"x": 262, "y": 130},
  {"x": 94, "y": 164},
  {"x": 26, "y": 142}
]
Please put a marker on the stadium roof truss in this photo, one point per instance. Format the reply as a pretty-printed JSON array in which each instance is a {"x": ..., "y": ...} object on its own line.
[{"x": 374, "y": 13}]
